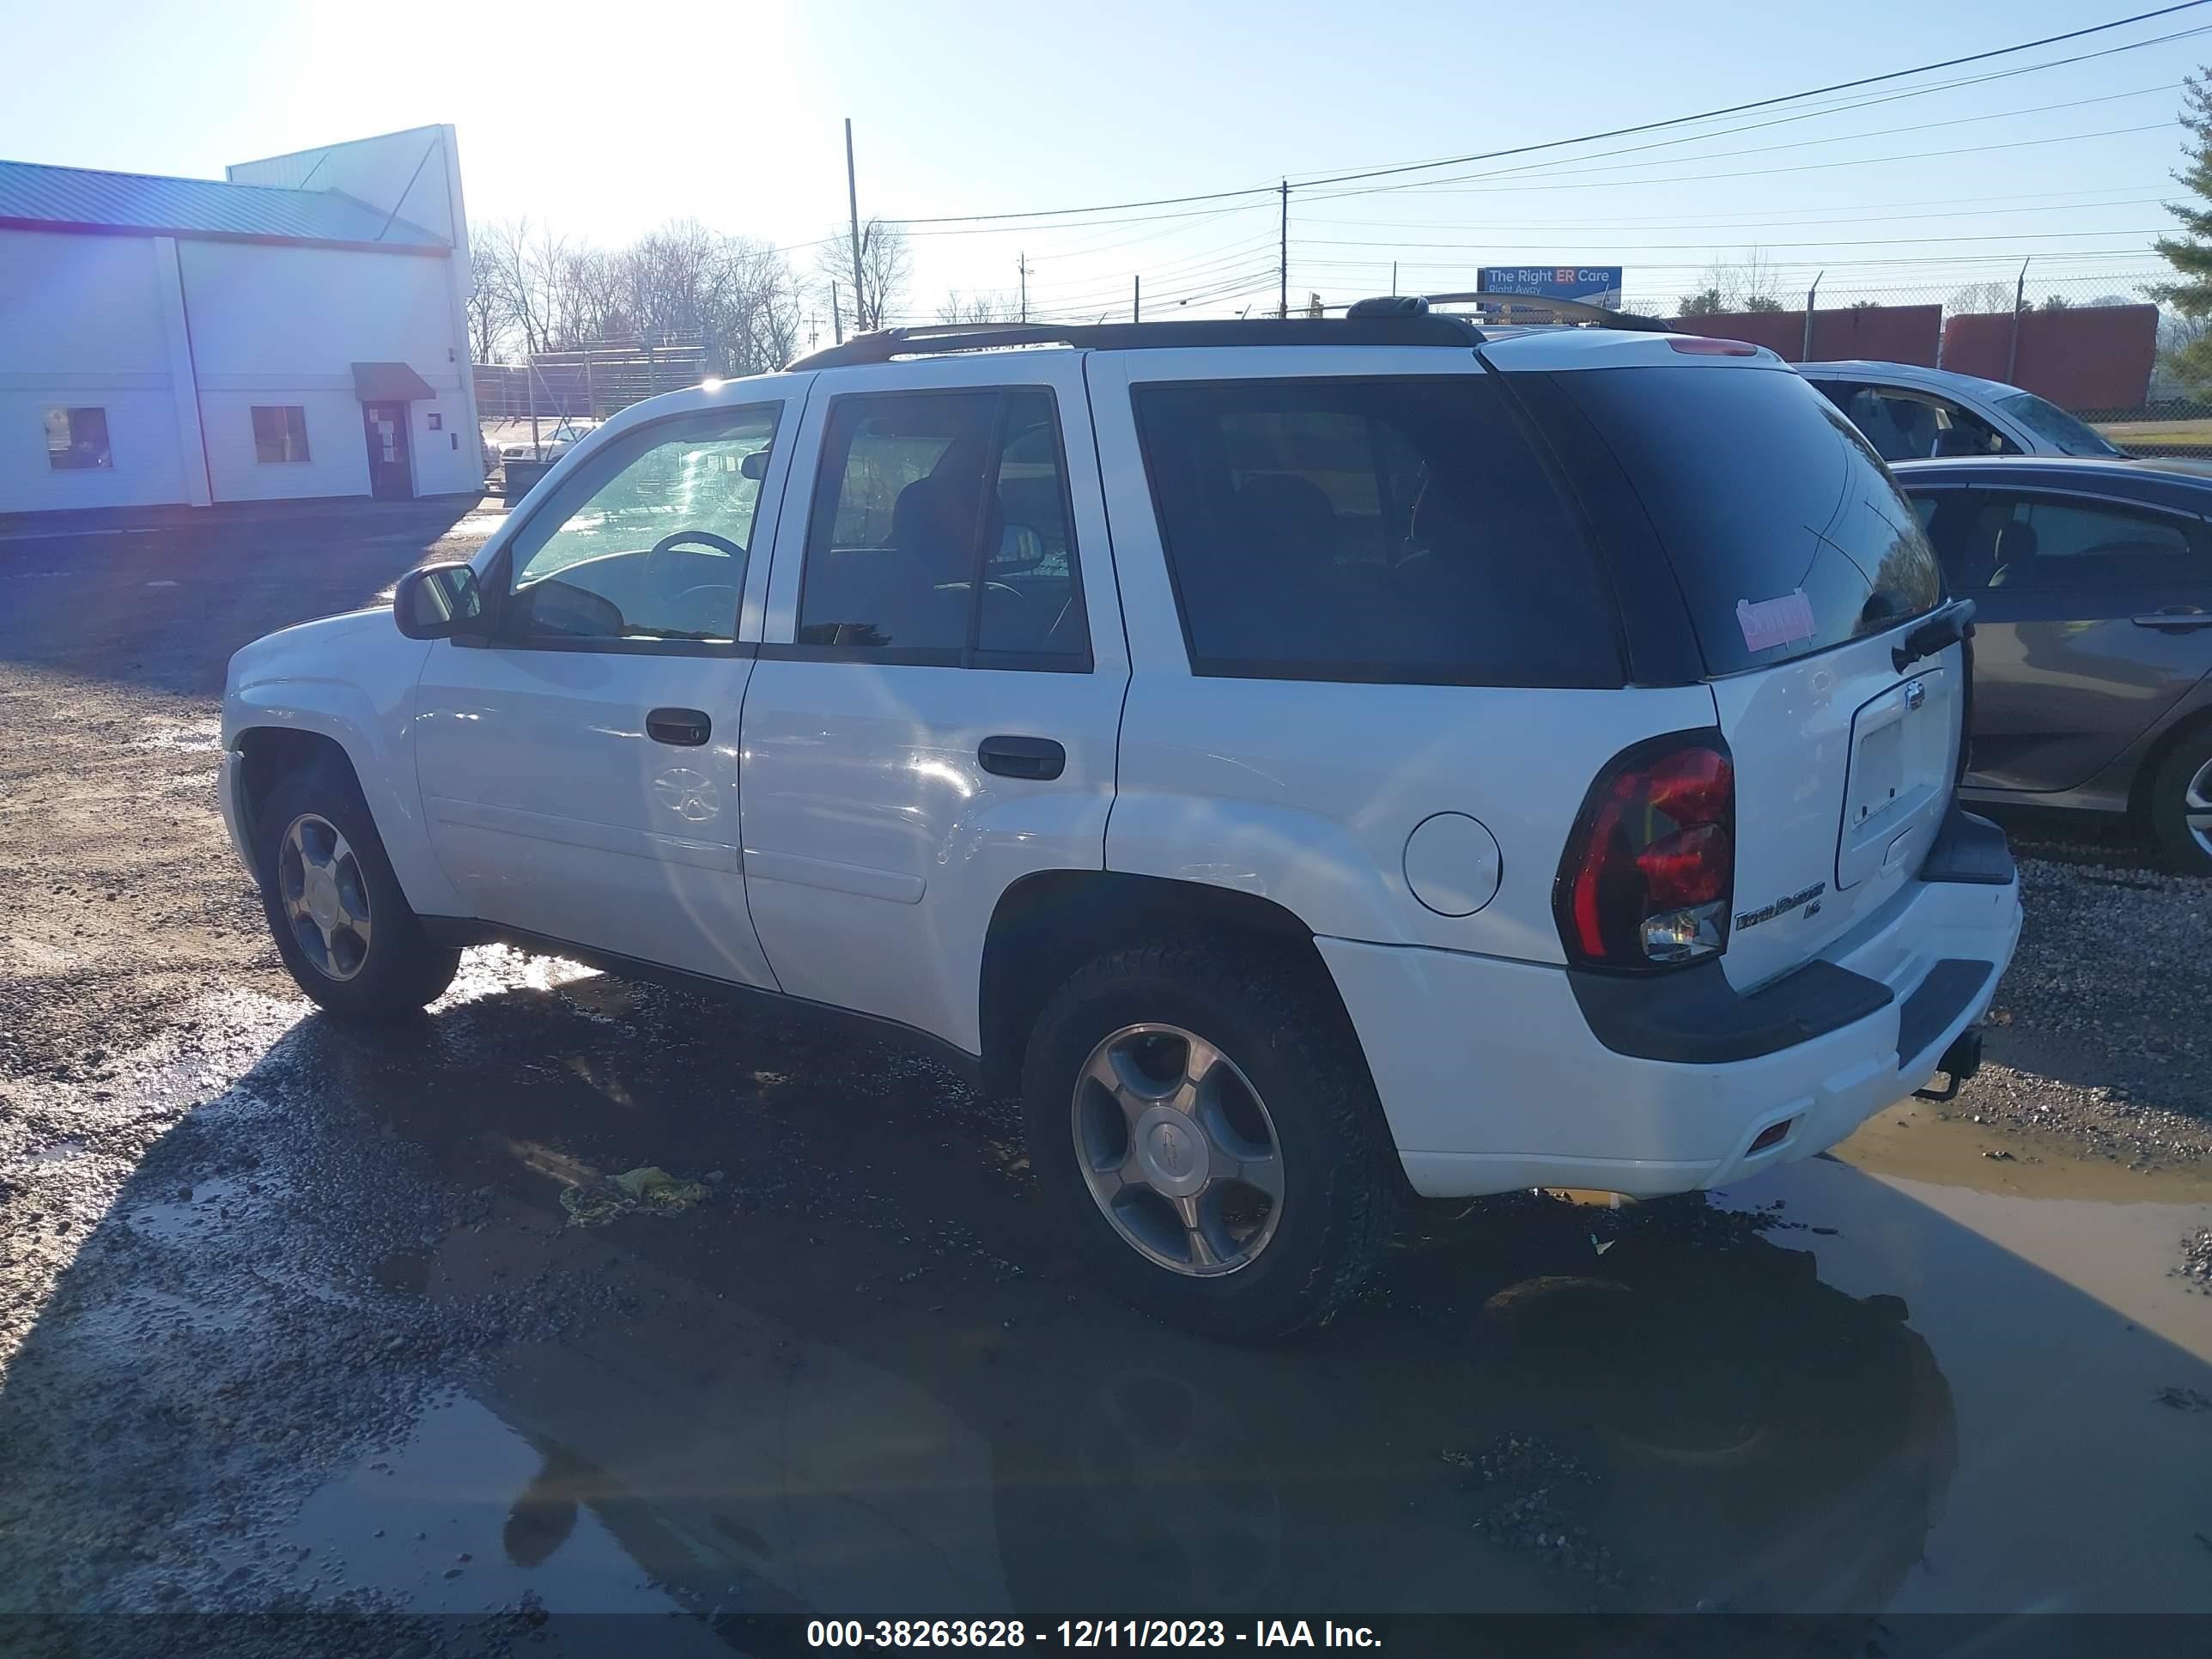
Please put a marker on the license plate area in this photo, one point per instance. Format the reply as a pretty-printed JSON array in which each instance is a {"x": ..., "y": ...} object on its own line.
[{"x": 1901, "y": 774}]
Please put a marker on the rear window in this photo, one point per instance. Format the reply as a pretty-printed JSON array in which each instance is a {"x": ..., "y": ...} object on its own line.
[
  {"x": 1395, "y": 530},
  {"x": 1785, "y": 531}
]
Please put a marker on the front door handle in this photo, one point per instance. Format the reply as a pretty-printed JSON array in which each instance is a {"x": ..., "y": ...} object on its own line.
[
  {"x": 2180, "y": 616},
  {"x": 687, "y": 728},
  {"x": 1038, "y": 758}
]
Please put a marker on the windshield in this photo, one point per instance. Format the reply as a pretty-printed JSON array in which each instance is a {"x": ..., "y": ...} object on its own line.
[
  {"x": 2056, "y": 427},
  {"x": 1784, "y": 530}
]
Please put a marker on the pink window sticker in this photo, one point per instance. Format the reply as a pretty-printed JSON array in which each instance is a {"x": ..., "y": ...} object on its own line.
[{"x": 1769, "y": 622}]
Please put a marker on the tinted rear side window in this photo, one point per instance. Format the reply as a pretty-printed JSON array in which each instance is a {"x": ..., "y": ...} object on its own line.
[
  {"x": 1785, "y": 531},
  {"x": 1396, "y": 529}
]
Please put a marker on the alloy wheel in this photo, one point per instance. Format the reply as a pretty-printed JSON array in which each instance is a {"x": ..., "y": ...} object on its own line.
[
  {"x": 324, "y": 896},
  {"x": 1178, "y": 1150},
  {"x": 2197, "y": 808}
]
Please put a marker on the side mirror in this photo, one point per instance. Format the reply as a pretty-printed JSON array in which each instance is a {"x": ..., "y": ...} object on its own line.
[
  {"x": 755, "y": 465},
  {"x": 437, "y": 602}
]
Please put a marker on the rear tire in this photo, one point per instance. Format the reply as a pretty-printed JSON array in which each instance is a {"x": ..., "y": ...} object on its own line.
[
  {"x": 344, "y": 930},
  {"x": 1237, "y": 1083},
  {"x": 2180, "y": 804}
]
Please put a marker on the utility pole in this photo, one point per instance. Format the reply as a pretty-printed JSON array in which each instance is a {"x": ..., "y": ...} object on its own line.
[
  {"x": 1812, "y": 295},
  {"x": 836, "y": 322},
  {"x": 1022, "y": 264},
  {"x": 1136, "y": 298},
  {"x": 1394, "y": 278},
  {"x": 853, "y": 203},
  {"x": 1282, "y": 262}
]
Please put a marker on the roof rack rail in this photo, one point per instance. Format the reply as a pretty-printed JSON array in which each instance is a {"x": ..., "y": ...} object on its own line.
[
  {"x": 1418, "y": 329},
  {"x": 1581, "y": 311}
]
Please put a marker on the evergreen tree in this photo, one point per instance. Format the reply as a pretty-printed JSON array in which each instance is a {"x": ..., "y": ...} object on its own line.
[{"x": 2190, "y": 252}]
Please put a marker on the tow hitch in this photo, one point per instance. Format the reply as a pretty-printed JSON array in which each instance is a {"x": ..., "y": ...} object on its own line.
[{"x": 1961, "y": 1060}]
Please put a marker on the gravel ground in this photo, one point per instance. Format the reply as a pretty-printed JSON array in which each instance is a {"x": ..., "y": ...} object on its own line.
[
  {"x": 2197, "y": 1261},
  {"x": 221, "y": 1214},
  {"x": 1533, "y": 1498},
  {"x": 2098, "y": 1037}
]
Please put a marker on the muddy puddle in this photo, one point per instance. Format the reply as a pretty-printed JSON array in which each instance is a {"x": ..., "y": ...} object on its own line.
[
  {"x": 859, "y": 1377},
  {"x": 464, "y": 1516}
]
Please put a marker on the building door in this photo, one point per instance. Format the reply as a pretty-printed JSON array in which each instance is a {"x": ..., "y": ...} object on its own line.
[{"x": 390, "y": 476}]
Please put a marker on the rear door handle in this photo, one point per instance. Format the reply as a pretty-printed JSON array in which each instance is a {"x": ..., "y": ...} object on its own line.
[
  {"x": 2181, "y": 616},
  {"x": 1038, "y": 758},
  {"x": 687, "y": 728}
]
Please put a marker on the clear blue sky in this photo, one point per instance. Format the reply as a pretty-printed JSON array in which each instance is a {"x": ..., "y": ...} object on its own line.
[{"x": 607, "y": 119}]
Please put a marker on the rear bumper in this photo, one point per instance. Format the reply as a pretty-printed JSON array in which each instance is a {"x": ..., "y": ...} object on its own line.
[{"x": 1493, "y": 1079}]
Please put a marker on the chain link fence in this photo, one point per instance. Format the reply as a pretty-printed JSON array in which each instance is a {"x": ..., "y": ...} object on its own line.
[
  {"x": 2090, "y": 341},
  {"x": 2093, "y": 343}
]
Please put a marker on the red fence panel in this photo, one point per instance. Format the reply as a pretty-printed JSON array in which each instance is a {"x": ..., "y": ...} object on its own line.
[
  {"x": 2080, "y": 357},
  {"x": 1885, "y": 334},
  {"x": 1889, "y": 334}
]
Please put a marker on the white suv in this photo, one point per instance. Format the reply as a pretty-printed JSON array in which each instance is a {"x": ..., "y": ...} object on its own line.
[{"x": 1308, "y": 761}]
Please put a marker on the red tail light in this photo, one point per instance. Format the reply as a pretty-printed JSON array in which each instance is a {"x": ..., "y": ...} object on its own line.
[
  {"x": 1704, "y": 346},
  {"x": 1649, "y": 868}
]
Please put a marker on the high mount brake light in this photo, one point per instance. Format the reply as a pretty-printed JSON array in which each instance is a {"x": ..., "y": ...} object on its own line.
[
  {"x": 1697, "y": 346},
  {"x": 1649, "y": 868}
]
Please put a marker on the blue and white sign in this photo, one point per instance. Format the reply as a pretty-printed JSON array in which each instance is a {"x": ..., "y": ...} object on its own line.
[{"x": 1598, "y": 285}]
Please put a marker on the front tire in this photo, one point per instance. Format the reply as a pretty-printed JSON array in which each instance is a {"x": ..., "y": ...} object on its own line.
[
  {"x": 2181, "y": 804},
  {"x": 343, "y": 928},
  {"x": 1203, "y": 1121}
]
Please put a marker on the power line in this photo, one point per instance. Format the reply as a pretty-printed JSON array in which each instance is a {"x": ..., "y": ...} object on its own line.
[
  {"x": 1768, "y": 102},
  {"x": 1558, "y": 144},
  {"x": 1807, "y": 144},
  {"x": 2042, "y": 200},
  {"x": 1112, "y": 287},
  {"x": 2000, "y": 260},
  {"x": 1632, "y": 247},
  {"x": 1760, "y": 172}
]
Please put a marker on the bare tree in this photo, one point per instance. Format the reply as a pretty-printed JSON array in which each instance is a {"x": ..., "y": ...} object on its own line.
[
  {"x": 486, "y": 320},
  {"x": 1980, "y": 299},
  {"x": 760, "y": 329},
  {"x": 537, "y": 291},
  {"x": 979, "y": 307},
  {"x": 1744, "y": 284},
  {"x": 1756, "y": 281},
  {"x": 590, "y": 300},
  {"x": 886, "y": 263},
  {"x": 674, "y": 280},
  {"x": 522, "y": 269}
]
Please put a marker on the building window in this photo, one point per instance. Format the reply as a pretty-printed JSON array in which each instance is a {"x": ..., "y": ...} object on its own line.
[
  {"x": 280, "y": 432},
  {"x": 437, "y": 421},
  {"x": 77, "y": 438}
]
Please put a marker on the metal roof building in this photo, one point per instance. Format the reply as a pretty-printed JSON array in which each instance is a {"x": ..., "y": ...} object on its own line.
[{"x": 298, "y": 328}]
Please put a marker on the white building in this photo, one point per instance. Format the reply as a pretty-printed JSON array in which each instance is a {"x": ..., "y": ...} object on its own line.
[{"x": 297, "y": 329}]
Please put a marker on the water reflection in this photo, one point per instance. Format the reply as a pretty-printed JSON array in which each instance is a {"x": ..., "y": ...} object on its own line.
[{"x": 1690, "y": 1417}]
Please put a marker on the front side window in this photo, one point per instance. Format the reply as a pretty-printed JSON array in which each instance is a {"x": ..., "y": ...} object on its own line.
[
  {"x": 280, "y": 432},
  {"x": 1396, "y": 529},
  {"x": 1913, "y": 426},
  {"x": 76, "y": 439},
  {"x": 941, "y": 526},
  {"x": 2011, "y": 541},
  {"x": 648, "y": 542}
]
